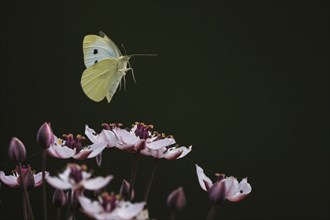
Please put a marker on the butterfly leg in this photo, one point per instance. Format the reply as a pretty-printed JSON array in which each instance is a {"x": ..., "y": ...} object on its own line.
[{"x": 131, "y": 69}]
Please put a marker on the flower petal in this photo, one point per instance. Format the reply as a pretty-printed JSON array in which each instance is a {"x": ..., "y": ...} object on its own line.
[
  {"x": 83, "y": 154},
  {"x": 38, "y": 178},
  {"x": 243, "y": 190},
  {"x": 97, "y": 183},
  {"x": 128, "y": 210},
  {"x": 231, "y": 185},
  {"x": 109, "y": 137},
  {"x": 89, "y": 207},
  {"x": 65, "y": 175},
  {"x": 203, "y": 180},
  {"x": 86, "y": 175},
  {"x": 172, "y": 153},
  {"x": 158, "y": 144},
  {"x": 125, "y": 137},
  {"x": 185, "y": 151},
  {"x": 96, "y": 149},
  {"x": 91, "y": 134},
  {"x": 59, "y": 151},
  {"x": 58, "y": 183},
  {"x": 10, "y": 181}
]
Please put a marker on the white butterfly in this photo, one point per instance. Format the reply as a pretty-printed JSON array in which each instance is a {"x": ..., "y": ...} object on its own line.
[{"x": 106, "y": 66}]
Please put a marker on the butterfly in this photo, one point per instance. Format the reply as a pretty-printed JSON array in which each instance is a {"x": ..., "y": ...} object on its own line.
[{"x": 105, "y": 67}]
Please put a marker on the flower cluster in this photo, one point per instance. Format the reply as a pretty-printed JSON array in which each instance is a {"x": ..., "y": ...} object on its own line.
[{"x": 71, "y": 184}]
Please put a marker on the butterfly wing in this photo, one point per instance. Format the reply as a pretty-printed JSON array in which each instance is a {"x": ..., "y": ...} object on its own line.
[
  {"x": 111, "y": 43},
  {"x": 100, "y": 78},
  {"x": 97, "y": 48}
]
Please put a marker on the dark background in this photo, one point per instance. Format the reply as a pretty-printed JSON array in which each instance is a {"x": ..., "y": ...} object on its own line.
[{"x": 246, "y": 83}]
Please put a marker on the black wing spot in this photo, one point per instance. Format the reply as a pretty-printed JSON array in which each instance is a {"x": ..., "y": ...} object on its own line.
[
  {"x": 95, "y": 51},
  {"x": 95, "y": 61}
]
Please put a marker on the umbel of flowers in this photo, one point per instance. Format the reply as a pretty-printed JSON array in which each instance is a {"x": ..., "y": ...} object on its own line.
[{"x": 70, "y": 184}]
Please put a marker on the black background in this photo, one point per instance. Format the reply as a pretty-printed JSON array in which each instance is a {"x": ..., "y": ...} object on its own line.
[{"x": 246, "y": 83}]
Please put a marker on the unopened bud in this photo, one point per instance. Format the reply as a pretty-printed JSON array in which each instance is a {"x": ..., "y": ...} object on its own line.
[
  {"x": 217, "y": 192},
  {"x": 16, "y": 151},
  {"x": 176, "y": 200},
  {"x": 45, "y": 136},
  {"x": 59, "y": 198},
  {"x": 28, "y": 180},
  {"x": 124, "y": 190}
]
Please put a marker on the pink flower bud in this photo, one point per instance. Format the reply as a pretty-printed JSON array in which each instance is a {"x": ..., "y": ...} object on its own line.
[
  {"x": 59, "y": 198},
  {"x": 176, "y": 200},
  {"x": 16, "y": 151},
  {"x": 45, "y": 136},
  {"x": 28, "y": 180},
  {"x": 124, "y": 190},
  {"x": 217, "y": 193}
]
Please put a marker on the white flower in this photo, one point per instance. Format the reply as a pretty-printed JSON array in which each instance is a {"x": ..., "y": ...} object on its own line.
[
  {"x": 169, "y": 153},
  {"x": 76, "y": 178},
  {"x": 140, "y": 137},
  {"x": 111, "y": 207},
  {"x": 72, "y": 147},
  {"x": 225, "y": 188},
  {"x": 14, "y": 179}
]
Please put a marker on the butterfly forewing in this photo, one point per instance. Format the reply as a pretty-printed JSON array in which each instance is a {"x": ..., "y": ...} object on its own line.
[
  {"x": 98, "y": 79},
  {"x": 112, "y": 44},
  {"x": 97, "y": 48}
]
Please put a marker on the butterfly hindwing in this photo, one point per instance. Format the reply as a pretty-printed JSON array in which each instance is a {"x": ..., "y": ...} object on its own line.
[
  {"x": 98, "y": 48},
  {"x": 98, "y": 79}
]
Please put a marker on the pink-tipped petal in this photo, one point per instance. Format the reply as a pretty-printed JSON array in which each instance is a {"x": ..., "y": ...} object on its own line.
[
  {"x": 83, "y": 154},
  {"x": 203, "y": 180},
  {"x": 156, "y": 145},
  {"x": 126, "y": 138},
  {"x": 38, "y": 178},
  {"x": 128, "y": 210},
  {"x": 231, "y": 185},
  {"x": 89, "y": 207},
  {"x": 97, "y": 183},
  {"x": 58, "y": 183},
  {"x": 185, "y": 151},
  {"x": 86, "y": 175},
  {"x": 109, "y": 137},
  {"x": 96, "y": 149},
  {"x": 243, "y": 190},
  {"x": 59, "y": 151},
  {"x": 91, "y": 134},
  {"x": 172, "y": 154},
  {"x": 10, "y": 181}
]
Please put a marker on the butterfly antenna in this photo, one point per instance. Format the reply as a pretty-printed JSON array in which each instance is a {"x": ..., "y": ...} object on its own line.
[
  {"x": 142, "y": 55},
  {"x": 122, "y": 45}
]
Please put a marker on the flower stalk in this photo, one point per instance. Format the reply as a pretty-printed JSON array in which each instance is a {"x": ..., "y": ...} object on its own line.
[
  {"x": 44, "y": 192},
  {"x": 213, "y": 211},
  {"x": 150, "y": 179},
  {"x": 133, "y": 174},
  {"x": 25, "y": 194}
]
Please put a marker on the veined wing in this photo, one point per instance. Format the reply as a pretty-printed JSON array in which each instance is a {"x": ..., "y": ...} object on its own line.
[
  {"x": 98, "y": 79},
  {"x": 96, "y": 49}
]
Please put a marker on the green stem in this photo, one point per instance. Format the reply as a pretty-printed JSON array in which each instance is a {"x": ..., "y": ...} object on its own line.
[
  {"x": 44, "y": 195},
  {"x": 133, "y": 174},
  {"x": 151, "y": 177},
  {"x": 25, "y": 194}
]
